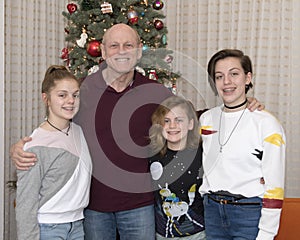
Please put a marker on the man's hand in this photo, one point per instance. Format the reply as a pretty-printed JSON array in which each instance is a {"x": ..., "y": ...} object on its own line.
[
  {"x": 255, "y": 104},
  {"x": 22, "y": 160}
]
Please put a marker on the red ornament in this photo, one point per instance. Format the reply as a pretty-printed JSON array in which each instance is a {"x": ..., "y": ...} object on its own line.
[
  {"x": 64, "y": 54},
  {"x": 157, "y": 5},
  {"x": 93, "y": 48},
  {"x": 158, "y": 24},
  {"x": 72, "y": 7},
  {"x": 132, "y": 16},
  {"x": 153, "y": 75}
]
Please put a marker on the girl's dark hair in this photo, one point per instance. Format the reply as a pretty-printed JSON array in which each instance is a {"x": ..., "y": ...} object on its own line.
[
  {"x": 158, "y": 142},
  {"x": 225, "y": 53}
]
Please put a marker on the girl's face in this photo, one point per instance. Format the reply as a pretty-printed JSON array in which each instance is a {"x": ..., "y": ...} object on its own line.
[
  {"x": 63, "y": 100},
  {"x": 176, "y": 127},
  {"x": 231, "y": 80}
]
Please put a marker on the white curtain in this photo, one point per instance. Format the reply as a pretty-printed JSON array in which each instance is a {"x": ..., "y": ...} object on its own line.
[
  {"x": 34, "y": 37},
  {"x": 266, "y": 30}
]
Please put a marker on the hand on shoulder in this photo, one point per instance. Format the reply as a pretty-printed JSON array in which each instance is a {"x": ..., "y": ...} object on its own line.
[{"x": 21, "y": 159}]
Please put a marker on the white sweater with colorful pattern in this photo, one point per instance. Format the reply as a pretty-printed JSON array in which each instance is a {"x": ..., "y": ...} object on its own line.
[{"x": 251, "y": 161}]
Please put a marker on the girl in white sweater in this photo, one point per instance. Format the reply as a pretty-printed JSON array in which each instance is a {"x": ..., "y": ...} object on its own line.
[{"x": 243, "y": 157}]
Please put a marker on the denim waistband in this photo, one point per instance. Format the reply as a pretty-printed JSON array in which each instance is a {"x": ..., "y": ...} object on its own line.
[{"x": 222, "y": 199}]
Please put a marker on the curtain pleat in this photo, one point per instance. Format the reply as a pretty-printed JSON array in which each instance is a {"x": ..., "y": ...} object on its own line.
[{"x": 34, "y": 37}]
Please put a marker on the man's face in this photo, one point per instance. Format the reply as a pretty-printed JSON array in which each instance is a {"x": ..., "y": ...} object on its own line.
[{"x": 121, "y": 49}]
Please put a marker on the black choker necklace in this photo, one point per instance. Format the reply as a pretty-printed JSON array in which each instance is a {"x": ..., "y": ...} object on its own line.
[
  {"x": 236, "y": 106},
  {"x": 67, "y": 132}
]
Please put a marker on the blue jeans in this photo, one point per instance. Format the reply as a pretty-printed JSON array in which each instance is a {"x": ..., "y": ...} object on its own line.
[
  {"x": 197, "y": 236},
  {"x": 137, "y": 224},
  {"x": 59, "y": 231},
  {"x": 231, "y": 222}
]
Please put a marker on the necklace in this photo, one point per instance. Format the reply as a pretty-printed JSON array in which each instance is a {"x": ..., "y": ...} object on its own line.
[
  {"x": 236, "y": 106},
  {"x": 67, "y": 132},
  {"x": 235, "y": 126}
]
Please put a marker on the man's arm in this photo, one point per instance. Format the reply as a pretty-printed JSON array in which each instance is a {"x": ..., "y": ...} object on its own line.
[{"x": 22, "y": 160}]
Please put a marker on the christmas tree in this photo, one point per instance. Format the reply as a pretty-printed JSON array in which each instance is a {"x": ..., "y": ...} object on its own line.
[{"x": 89, "y": 19}]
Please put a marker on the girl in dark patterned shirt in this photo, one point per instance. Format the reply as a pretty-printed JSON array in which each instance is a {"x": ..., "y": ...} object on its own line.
[{"x": 176, "y": 170}]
